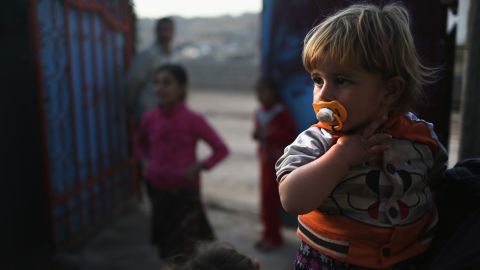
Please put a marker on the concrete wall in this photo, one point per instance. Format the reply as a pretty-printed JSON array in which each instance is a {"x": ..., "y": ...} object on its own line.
[{"x": 225, "y": 75}]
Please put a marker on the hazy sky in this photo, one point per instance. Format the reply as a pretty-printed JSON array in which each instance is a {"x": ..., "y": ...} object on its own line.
[{"x": 195, "y": 8}]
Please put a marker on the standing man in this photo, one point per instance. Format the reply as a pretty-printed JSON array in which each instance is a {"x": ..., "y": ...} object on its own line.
[{"x": 139, "y": 81}]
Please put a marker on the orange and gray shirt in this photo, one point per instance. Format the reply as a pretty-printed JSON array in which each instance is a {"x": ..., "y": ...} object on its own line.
[{"x": 382, "y": 211}]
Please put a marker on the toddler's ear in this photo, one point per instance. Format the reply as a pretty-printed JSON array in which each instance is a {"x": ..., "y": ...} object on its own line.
[{"x": 394, "y": 88}]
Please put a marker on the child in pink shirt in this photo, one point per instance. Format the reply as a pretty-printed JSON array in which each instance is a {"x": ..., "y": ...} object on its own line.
[{"x": 166, "y": 145}]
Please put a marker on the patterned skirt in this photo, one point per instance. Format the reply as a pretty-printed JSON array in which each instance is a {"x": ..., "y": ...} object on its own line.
[
  {"x": 310, "y": 259},
  {"x": 178, "y": 221}
]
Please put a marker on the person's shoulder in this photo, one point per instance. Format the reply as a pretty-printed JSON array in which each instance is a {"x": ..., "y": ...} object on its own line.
[
  {"x": 312, "y": 142},
  {"x": 412, "y": 117},
  {"x": 314, "y": 136},
  {"x": 146, "y": 51},
  {"x": 316, "y": 132},
  {"x": 414, "y": 128},
  {"x": 195, "y": 115},
  {"x": 186, "y": 111},
  {"x": 413, "y": 120},
  {"x": 195, "y": 119}
]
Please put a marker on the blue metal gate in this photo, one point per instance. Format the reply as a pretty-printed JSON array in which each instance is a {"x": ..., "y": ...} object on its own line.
[{"x": 83, "y": 49}]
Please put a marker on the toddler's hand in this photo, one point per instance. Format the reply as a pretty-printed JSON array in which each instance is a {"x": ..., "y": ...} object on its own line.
[{"x": 364, "y": 144}]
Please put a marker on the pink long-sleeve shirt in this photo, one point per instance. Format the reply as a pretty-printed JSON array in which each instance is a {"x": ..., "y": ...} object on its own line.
[{"x": 168, "y": 141}]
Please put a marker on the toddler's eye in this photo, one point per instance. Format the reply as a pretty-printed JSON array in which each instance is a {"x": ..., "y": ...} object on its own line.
[
  {"x": 317, "y": 80},
  {"x": 341, "y": 81}
]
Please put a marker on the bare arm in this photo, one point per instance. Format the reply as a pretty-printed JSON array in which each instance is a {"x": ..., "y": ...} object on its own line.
[{"x": 305, "y": 188}]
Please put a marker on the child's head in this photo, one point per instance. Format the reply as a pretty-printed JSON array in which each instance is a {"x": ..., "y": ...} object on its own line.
[
  {"x": 218, "y": 256},
  {"x": 170, "y": 85},
  {"x": 267, "y": 91},
  {"x": 164, "y": 31},
  {"x": 375, "y": 40}
]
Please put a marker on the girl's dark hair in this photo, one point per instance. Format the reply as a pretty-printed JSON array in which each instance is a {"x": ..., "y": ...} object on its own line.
[
  {"x": 268, "y": 82},
  {"x": 177, "y": 71}
]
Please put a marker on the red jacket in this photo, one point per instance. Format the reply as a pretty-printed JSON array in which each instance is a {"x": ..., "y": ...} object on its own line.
[{"x": 277, "y": 124}]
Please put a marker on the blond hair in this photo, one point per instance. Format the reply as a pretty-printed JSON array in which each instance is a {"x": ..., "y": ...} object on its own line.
[{"x": 376, "y": 39}]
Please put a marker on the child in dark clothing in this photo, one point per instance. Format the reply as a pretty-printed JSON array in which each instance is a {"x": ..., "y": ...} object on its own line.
[{"x": 274, "y": 129}]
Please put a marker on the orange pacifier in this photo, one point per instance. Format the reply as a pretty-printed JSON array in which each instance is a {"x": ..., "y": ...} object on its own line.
[{"x": 331, "y": 115}]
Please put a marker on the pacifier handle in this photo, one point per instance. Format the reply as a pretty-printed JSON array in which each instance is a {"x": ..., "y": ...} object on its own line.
[{"x": 339, "y": 121}]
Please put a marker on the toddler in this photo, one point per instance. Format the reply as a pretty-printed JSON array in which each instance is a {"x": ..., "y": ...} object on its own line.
[{"x": 360, "y": 180}]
